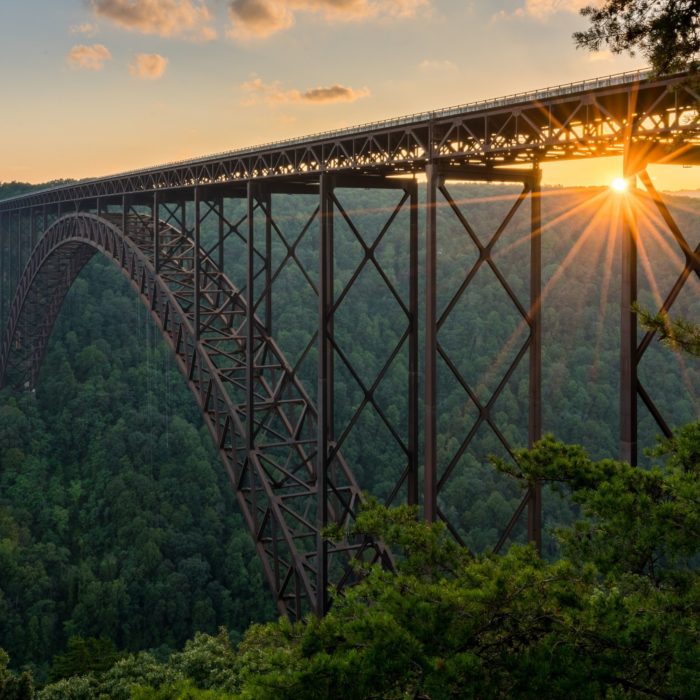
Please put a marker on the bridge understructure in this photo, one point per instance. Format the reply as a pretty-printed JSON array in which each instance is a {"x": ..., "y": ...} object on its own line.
[{"x": 172, "y": 229}]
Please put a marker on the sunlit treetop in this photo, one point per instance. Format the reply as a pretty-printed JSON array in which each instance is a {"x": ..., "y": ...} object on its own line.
[{"x": 666, "y": 32}]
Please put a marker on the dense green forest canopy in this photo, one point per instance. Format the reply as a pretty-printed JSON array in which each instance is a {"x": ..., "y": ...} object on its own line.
[
  {"x": 116, "y": 520},
  {"x": 16, "y": 189},
  {"x": 615, "y": 617}
]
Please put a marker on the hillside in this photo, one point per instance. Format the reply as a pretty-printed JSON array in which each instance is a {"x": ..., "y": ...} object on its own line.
[{"x": 116, "y": 519}]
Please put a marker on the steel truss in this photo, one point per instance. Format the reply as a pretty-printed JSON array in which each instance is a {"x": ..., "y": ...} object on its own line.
[
  {"x": 632, "y": 351},
  {"x": 264, "y": 424},
  {"x": 173, "y": 230},
  {"x": 530, "y": 314},
  {"x": 591, "y": 119}
]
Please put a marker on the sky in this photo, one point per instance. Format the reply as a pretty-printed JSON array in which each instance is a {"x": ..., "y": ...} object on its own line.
[{"x": 95, "y": 87}]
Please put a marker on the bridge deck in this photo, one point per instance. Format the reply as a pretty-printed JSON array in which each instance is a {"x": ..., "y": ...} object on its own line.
[{"x": 578, "y": 120}]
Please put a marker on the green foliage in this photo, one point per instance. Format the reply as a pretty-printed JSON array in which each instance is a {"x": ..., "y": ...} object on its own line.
[
  {"x": 120, "y": 681},
  {"x": 616, "y": 617},
  {"x": 182, "y": 690},
  {"x": 677, "y": 333},
  {"x": 83, "y": 657},
  {"x": 644, "y": 522},
  {"x": 665, "y": 31},
  {"x": 208, "y": 661},
  {"x": 16, "y": 189},
  {"x": 116, "y": 518},
  {"x": 12, "y": 686},
  {"x": 75, "y": 688}
]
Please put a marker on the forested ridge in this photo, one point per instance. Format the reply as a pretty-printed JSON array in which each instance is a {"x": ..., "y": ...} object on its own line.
[{"x": 117, "y": 523}]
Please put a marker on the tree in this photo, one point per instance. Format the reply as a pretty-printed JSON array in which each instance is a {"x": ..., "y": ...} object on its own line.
[
  {"x": 615, "y": 618},
  {"x": 676, "y": 333},
  {"x": 83, "y": 656},
  {"x": 667, "y": 32},
  {"x": 13, "y": 687}
]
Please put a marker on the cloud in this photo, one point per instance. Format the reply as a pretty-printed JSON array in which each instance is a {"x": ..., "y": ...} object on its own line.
[
  {"x": 599, "y": 56},
  {"x": 88, "y": 57},
  {"x": 189, "y": 19},
  {"x": 85, "y": 28},
  {"x": 148, "y": 66},
  {"x": 334, "y": 93},
  {"x": 543, "y": 9},
  {"x": 257, "y": 19},
  {"x": 274, "y": 94},
  {"x": 430, "y": 65}
]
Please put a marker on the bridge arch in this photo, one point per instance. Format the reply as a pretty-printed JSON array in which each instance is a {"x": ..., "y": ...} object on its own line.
[{"x": 262, "y": 421}]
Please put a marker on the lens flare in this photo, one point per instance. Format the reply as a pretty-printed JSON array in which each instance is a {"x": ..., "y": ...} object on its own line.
[{"x": 619, "y": 184}]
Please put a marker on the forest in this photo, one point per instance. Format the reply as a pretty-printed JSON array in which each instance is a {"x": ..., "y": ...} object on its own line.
[{"x": 127, "y": 571}]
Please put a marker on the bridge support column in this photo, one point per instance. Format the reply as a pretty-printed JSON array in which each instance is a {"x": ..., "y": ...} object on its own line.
[
  {"x": 527, "y": 317},
  {"x": 267, "y": 293},
  {"x": 534, "y": 509},
  {"x": 430, "y": 427},
  {"x": 4, "y": 238},
  {"x": 325, "y": 384},
  {"x": 34, "y": 231},
  {"x": 156, "y": 232},
  {"x": 16, "y": 244},
  {"x": 250, "y": 318},
  {"x": 413, "y": 378},
  {"x": 197, "y": 263},
  {"x": 342, "y": 227},
  {"x": 628, "y": 321}
]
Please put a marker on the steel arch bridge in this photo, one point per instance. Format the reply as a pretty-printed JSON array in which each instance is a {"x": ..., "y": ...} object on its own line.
[{"x": 281, "y": 447}]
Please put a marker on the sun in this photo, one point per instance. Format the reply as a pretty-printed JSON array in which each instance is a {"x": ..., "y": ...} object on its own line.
[{"x": 619, "y": 184}]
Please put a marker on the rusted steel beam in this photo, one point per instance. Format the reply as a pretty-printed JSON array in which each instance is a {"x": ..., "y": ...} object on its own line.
[
  {"x": 628, "y": 323},
  {"x": 413, "y": 352},
  {"x": 430, "y": 509},
  {"x": 534, "y": 513},
  {"x": 325, "y": 386}
]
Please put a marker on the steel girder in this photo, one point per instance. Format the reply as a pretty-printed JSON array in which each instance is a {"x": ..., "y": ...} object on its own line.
[
  {"x": 336, "y": 427},
  {"x": 590, "y": 119},
  {"x": 632, "y": 349},
  {"x": 263, "y": 423},
  {"x": 529, "y": 312}
]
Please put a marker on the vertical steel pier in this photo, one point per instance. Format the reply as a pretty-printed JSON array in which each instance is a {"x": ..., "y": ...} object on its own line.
[{"x": 438, "y": 185}]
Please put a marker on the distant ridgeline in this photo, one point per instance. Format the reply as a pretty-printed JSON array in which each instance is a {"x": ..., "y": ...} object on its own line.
[
  {"x": 116, "y": 518},
  {"x": 15, "y": 189}
]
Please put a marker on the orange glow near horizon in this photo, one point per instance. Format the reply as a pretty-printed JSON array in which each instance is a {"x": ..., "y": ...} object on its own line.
[
  {"x": 93, "y": 163},
  {"x": 606, "y": 210}
]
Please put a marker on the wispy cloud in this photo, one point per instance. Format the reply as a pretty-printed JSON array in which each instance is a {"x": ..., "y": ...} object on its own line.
[
  {"x": 436, "y": 65},
  {"x": 543, "y": 9},
  {"x": 274, "y": 94},
  {"x": 84, "y": 28},
  {"x": 190, "y": 19},
  {"x": 600, "y": 56},
  {"x": 257, "y": 19},
  {"x": 148, "y": 66},
  {"x": 88, "y": 57},
  {"x": 334, "y": 93}
]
